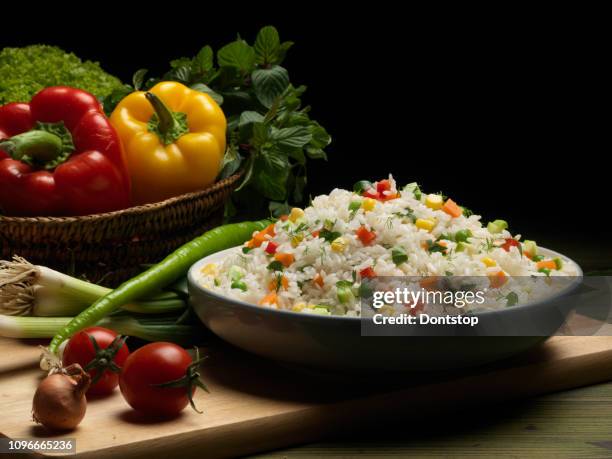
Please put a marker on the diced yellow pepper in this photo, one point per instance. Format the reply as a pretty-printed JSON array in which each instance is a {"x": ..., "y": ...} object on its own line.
[
  {"x": 489, "y": 262},
  {"x": 298, "y": 307},
  {"x": 368, "y": 204},
  {"x": 296, "y": 214},
  {"x": 210, "y": 269},
  {"x": 295, "y": 240},
  {"x": 434, "y": 201},
  {"x": 338, "y": 244},
  {"x": 426, "y": 224}
]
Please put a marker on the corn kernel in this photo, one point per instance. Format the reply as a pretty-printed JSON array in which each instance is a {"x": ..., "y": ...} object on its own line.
[
  {"x": 295, "y": 240},
  {"x": 368, "y": 204},
  {"x": 296, "y": 214},
  {"x": 298, "y": 307},
  {"x": 338, "y": 244},
  {"x": 489, "y": 262},
  {"x": 210, "y": 269},
  {"x": 434, "y": 201},
  {"x": 426, "y": 224}
]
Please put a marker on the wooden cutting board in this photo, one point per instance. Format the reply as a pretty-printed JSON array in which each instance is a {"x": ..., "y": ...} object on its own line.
[{"x": 255, "y": 405}]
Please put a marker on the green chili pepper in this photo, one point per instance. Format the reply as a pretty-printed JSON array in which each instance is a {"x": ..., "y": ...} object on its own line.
[{"x": 164, "y": 273}]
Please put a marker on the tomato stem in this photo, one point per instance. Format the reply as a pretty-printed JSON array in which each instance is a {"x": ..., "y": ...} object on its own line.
[
  {"x": 105, "y": 358},
  {"x": 190, "y": 380}
]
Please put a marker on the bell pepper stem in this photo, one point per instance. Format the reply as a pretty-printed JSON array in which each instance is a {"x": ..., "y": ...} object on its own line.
[
  {"x": 164, "y": 114},
  {"x": 40, "y": 146}
]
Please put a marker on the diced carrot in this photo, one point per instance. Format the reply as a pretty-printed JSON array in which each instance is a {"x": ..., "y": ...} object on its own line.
[
  {"x": 269, "y": 230},
  {"x": 260, "y": 237},
  {"x": 451, "y": 208},
  {"x": 315, "y": 233},
  {"x": 285, "y": 258},
  {"x": 318, "y": 279},
  {"x": 270, "y": 298},
  {"x": 389, "y": 197},
  {"x": 498, "y": 279},
  {"x": 273, "y": 285},
  {"x": 429, "y": 283},
  {"x": 548, "y": 264}
]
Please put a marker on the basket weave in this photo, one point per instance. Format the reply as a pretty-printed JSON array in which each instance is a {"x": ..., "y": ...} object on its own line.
[{"x": 112, "y": 247}]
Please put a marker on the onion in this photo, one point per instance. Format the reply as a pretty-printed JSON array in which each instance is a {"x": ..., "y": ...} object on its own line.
[{"x": 59, "y": 402}]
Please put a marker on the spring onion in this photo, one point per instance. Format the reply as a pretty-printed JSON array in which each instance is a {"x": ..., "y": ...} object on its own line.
[
  {"x": 414, "y": 189},
  {"x": 27, "y": 289},
  {"x": 399, "y": 255},
  {"x": 497, "y": 226},
  {"x": 158, "y": 329},
  {"x": 354, "y": 206},
  {"x": 463, "y": 235},
  {"x": 344, "y": 291}
]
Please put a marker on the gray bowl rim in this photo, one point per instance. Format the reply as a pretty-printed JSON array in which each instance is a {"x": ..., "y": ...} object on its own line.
[{"x": 193, "y": 284}]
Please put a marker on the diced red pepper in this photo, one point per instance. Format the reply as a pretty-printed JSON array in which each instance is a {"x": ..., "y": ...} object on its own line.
[
  {"x": 510, "y": 242},
  {"x": 315, "y": 233},
  {"x": 365, "y": 235},
  {"x": 367, "y": 273},
  {"x": 383, "y": 185},
  {"x": 271, "y": 247},
  {"x": 371, "y": 193}
]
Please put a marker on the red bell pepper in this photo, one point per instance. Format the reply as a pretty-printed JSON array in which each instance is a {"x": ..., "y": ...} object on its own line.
[{"x": 59, "y": 155}]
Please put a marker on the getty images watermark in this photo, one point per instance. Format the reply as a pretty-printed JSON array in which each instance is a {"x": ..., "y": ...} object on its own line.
[{"x": 479, "y": 305}]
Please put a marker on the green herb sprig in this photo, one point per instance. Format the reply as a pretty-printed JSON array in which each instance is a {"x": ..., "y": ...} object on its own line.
[{"x": 269, "y": 133}]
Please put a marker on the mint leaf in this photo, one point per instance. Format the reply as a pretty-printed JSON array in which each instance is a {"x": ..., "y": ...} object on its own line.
[
  {"x": 282, "y": 51},
  {"x": 320, "y": 137},
  {"x": 138, "y": 78},
  {"x": 270, "y": 174},
  {"x": 231, "y": 162},
  {"x": 267, "y": 45},
  {"x": 296, "y": 136},
  {"x": 205, "y": 89},
  {"x": 245, "y": 124},
  {"x": 203, "y": 61},
  {"x": 249, "y": 117},
  {"x": 237, "y": 54},
  {"x": 279, "y": 208},
  {"x": 316, "y": 153},
  {"x": 269, "y": 84}
]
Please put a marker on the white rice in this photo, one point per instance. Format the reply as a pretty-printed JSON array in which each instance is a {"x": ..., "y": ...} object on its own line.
[{"x": 314, "y": 256}]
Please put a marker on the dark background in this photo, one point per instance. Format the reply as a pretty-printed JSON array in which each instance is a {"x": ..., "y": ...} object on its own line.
[{"x": 503, "y": 111}]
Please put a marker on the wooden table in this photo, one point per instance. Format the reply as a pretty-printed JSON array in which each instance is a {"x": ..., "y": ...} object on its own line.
[{"x": 575, "y": 423}]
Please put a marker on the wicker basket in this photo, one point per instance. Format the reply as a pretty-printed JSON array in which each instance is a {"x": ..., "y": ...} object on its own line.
[{"x": 111, "y": 247}]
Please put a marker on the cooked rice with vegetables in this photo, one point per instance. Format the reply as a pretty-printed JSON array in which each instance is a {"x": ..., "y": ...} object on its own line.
[{"x": 314, "y": 260}]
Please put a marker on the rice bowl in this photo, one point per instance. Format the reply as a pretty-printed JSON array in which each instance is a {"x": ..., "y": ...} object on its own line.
[{"x": 316, "y": 259}]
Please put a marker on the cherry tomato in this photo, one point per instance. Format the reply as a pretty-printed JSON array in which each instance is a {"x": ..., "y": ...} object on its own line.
[
  {"x": 159, "y": 379},
  {"x": 102, "y": 364},
  {"x": 510, "y": 242}
]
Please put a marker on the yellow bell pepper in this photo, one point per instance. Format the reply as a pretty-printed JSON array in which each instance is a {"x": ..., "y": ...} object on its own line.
[{"x": 174, "y": 140}]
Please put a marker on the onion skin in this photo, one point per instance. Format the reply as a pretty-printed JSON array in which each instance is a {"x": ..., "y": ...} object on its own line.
[{"x": 59, "y": 402}]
